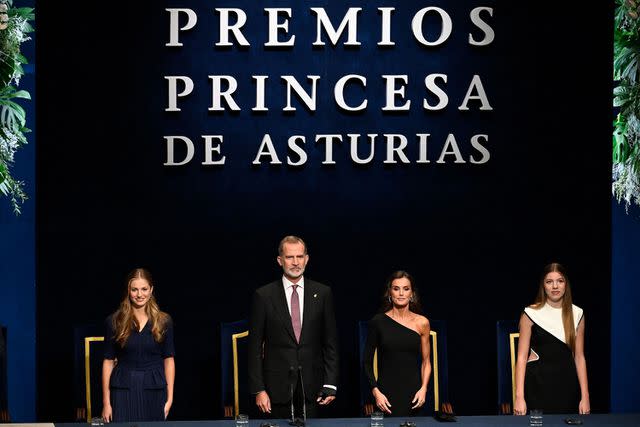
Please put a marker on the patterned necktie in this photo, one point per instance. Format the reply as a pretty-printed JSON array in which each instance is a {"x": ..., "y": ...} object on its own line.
[{"x": 295, "y": 313}]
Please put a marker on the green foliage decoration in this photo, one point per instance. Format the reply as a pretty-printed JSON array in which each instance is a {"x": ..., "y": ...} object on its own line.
[
  {"x": 14, "y": 29},
  {"x": 626, "y": 98}
]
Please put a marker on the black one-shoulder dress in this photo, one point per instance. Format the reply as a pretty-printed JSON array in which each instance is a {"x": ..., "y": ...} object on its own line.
[{"x": 399, "y": 362}]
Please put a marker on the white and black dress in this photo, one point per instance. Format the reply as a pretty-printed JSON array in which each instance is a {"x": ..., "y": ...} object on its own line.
[{"x": 551, "y": 381}]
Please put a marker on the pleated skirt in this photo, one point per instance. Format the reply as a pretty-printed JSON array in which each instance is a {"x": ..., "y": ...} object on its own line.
[{"x": 137, "y": 403}]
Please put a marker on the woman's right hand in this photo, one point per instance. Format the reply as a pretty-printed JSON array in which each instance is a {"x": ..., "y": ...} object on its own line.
[
  {"x": 381, "y": 401},
  {"x": 106, "y": 413},
  {"x": 520, "y": 406}
]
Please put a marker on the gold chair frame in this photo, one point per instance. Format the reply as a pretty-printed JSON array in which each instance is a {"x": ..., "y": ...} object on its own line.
[
  {"x": 512, "y": 345},
  {"x": 236, "y": 385},
  {"x": 87, "y": 371}
]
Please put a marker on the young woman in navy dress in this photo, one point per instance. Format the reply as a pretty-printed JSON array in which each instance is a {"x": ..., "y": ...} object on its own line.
[
  {"x": 138, "y": 370},
  {"x": 551, "y": 371},
  {"x": 401, "y": 337}
]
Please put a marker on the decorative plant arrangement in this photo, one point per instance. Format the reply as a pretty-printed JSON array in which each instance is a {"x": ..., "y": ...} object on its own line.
[
  {"x": 626, "y": 73},
  {"x": 14, "y": 30}
]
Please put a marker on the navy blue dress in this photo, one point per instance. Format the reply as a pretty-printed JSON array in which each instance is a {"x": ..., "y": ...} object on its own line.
[{"x": 138, "y": 386}]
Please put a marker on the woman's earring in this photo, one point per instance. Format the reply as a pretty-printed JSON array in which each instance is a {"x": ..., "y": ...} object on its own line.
[
  {"x": 411, "y": 299},
  {"x": 390, "y": 298}
]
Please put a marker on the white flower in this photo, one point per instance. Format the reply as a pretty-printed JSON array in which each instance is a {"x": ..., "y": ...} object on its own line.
[
  {"x": 9, "y": 143},
  {"x": 625, "y": 184}
]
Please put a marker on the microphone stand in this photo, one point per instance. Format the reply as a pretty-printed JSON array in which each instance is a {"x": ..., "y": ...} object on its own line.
[
  {"x": 296, "y": 421},
  {"x": 304, "y": 398},
  {"x": 291, "y": 371}
]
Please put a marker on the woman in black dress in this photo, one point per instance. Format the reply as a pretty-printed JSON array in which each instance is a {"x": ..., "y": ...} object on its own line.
[
  {"x": 401, "y": 337},
  {"x": 138, "y": 370},
  {"x": 551, "y": 371}
]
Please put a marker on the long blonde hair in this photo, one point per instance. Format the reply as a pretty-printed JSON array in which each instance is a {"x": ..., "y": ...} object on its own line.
[
  {"x": 123, "y": 319},
  {"x": 567, "y": 303}
]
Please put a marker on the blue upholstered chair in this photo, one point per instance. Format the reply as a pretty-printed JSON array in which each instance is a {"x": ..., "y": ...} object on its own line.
[
  {"x": 366, "y": 400},
  {"x": 235, "y": 397},
  {"x": 438, "y": 391},
  {"x": 4, "y": 406},
  {"x": 88, "y": 342},
  {"x": 507, "y": 341}
]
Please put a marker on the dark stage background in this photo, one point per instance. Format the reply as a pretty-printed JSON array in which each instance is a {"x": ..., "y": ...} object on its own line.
[{"x": 475, "y": 236}]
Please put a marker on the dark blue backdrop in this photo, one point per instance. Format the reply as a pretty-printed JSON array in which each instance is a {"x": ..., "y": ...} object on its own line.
[
  {"x": 17, "y": 261},
  {"x": 474, "y": 236},
  {"x": 624, "y": 320}
]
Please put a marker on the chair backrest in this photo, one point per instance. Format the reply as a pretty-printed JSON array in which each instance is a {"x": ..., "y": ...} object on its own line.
[
  {"x": 88, "y": 344},
  {"x": 4, "y": 398},
  {"x": 438, "y": 389},
  {"x": 439, "y": 386},
  {"x": 507, "y": 345},
  {"x": 365, "y": 392},
  {"x": 233, "y": 367}
]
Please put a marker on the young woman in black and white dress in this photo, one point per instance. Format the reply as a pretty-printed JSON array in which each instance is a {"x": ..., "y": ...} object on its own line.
[{"x": 551, "y": 371}]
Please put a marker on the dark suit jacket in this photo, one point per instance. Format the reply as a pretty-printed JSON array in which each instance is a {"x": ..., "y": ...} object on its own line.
[{"x": 273, "y": 367}]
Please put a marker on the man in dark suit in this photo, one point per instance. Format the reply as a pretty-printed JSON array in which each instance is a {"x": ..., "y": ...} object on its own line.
[{"x": 293, "y": 355}]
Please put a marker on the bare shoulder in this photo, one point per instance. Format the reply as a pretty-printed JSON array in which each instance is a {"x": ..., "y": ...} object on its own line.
[
  {"x": 525, "y": 320},
  {"x": 423, "y": 323}
]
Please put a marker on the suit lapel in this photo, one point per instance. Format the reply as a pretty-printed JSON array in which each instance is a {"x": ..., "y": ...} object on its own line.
[
  {"x": 309, "y": 305},
  {"x": 280, "y": 306}
]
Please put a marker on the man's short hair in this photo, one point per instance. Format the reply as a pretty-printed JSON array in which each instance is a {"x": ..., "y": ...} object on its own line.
[{"x": 293, "y": 240}]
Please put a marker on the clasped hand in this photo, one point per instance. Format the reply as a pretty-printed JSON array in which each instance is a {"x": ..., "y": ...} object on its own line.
[
  {"x": 326, "y": 396},
  {"x": 264, "y": 403}
]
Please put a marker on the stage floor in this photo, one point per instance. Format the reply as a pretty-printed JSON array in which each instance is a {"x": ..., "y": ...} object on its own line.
[{"x": 478, "y": 421}]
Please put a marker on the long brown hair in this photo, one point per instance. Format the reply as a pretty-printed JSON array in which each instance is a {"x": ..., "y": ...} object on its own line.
[
  {"x": 414, "y": 305},
  {"x": 567, "y": 303},
  {"x": 123, "y": 319}
]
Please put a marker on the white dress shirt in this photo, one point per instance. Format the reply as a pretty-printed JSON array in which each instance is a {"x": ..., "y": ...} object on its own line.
[{"x": 288, "y": 290}]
